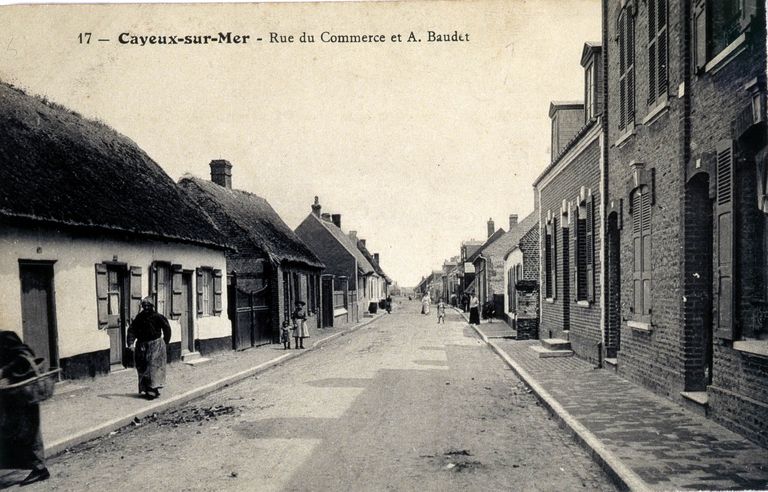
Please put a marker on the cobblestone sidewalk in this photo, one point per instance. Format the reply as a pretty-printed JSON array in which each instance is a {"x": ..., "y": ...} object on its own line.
[{"x": 668, "y": 447}]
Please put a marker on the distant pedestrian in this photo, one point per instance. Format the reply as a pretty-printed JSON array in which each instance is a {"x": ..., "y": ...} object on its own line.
[
  {"x": 151, "y": 332},
  {"x": 441, "y": 312},
  {"x": 425, "y": 302},
  {"x": 388, "y": 304},
  {"x": 474, "y": 310},
  {"x": 300, "y": 330},
  {"x": 285, "y": 334},
  {"x": 464, "y": 302},
  {"x": 21, "y": 442}
]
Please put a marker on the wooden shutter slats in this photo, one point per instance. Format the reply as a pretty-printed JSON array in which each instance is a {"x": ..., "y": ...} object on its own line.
[
  {"x": 590, "y": 248},
  {"x": 176, "y": 297},
  {"x": 199, "y": 291},
  {"x": 725, "y": 327},
  {"x": 217, "y": 304},
  {"x": 102, "y": 301},
  {"x": 135, "y": 281}
]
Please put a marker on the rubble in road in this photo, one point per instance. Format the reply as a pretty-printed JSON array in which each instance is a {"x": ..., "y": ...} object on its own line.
[{"x": 190, "y": 415}]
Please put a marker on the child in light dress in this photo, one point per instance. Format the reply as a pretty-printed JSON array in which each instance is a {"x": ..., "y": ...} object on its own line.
[{"x": 441, "y": 312}]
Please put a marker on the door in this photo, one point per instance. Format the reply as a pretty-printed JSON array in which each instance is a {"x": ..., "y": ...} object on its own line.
[
  {"x": 38, "y": 315},
  {"x": 186, "y": 318},
  {"x": 327, "y": 300}
]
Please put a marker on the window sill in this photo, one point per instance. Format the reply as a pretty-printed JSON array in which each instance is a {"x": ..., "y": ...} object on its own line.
[
  {"x": 549, "y": 300},
  {"x": 584, "y": 304},
  {"x": 339, "y": 312},
  {"x": 730, "y": 52},
  {"x": 752, "y": 347},
  {"x": 625, "y": 137},
  {"x": 655, "y": 113},
  {"x": 640, "y": 326}
]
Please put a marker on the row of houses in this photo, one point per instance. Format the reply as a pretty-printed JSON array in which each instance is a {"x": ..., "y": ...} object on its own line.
[
  {"x": 648, "y": 244},
  {"x": 91, "y": 225}
]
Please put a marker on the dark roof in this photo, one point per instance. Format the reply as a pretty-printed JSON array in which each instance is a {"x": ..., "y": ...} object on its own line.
[
  {"x": 363, "y": 265},
  {"x": 511, "y": 239},
  {"x": 371, "y": 260},
  {"x": 251, "y": 218},
  {"x": 572, "y": 143},
  {"x": 496, "y": 235},
  {"x": 61, "y": 169}
]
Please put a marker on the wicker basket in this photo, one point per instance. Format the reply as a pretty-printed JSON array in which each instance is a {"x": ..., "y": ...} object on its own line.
[{"x": 33, "y": 390}]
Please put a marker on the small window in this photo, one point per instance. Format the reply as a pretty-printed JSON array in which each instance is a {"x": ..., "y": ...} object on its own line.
[
  {"x": 590, "y": 102},
  {"x": 160, "y": 286},
  {"x": 626, "y": 29},
  {"x": 209, "y": 290},
  {"x": 207, "y": 287},
  {"x": 718, "y": 23},
  {"x": 657, "y": 50}
]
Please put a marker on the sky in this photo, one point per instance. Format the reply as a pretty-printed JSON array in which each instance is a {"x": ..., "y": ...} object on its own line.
[{"x": 416, "y": 145}]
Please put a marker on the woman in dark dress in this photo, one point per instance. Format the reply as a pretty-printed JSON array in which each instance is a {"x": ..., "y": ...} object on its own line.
[
  {"x": 21, "y": 443},
  {"x": 151, "y": 332}
]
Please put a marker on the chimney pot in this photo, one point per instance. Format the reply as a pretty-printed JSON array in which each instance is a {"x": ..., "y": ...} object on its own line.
[
  {"x": 353, "y": 235},
  {"x": 326, "y": 216},
  {"x": 376, "y": 257},
  {"x": 336, "y": 218},
  {"x": 363, "y": 241},
  {"x": 491, "y": 228},
  {"x": 512, "y": 221},
  {"x": 221, "y": 173},
  {"x": 316, "y": 207}
]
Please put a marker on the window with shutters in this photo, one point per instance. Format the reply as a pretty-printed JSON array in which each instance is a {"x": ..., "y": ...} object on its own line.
[
  {"x": 642, "y": 266},
  {"x": 590, "y": 101},
  {"x": 584, "y": 249},
  {"x": 209, "y": 291},
  {"x": 719, "y": 24},
  {"x": 160, "y": 287},
  {"x": 550, "y": 272},
  {"x": 626, "y": 31},
  {"x": 657, "y": 51}
]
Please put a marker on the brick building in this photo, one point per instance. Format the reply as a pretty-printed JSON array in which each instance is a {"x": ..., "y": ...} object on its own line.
[
  {"x": 346, "y": 267},
  {"x": 568, "y": 192},
  {"x": 271, "y": 269},
  {"x": 521, "y": 275},
  {"x": 685, "y": 214},
  {"x": 489, "y": 276}
]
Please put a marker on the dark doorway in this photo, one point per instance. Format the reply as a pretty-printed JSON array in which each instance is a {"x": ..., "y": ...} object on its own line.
[
  {"x": 38, "y": 313},
  {"x": 613, "y": 310},
  {"x": 327, "y": 300}
]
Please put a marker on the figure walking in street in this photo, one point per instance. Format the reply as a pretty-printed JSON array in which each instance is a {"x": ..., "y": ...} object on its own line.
[
  {"x": 21, "y": 442},
  {"x": 151, "y": 332},
  {"x": 388, "y": 304},
  {"x": 441, "y": 312},
  {"x": 300, "y": 330},
  {"x": 425, "y": 302},
  {"x": 474, "y": 310},
  {"x": 285, "y": 335}
]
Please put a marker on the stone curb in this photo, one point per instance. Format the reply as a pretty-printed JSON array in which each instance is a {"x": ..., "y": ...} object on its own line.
[
  {"x": 620, "y": 473},
  {"x": 61, "y": 445}
]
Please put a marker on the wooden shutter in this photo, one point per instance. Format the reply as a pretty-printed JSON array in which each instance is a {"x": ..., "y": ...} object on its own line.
[
  {"x": 652, "y": 50},
  {"x": 135, "y": 306},
  {"x": 622, "y": 70},
  {"x": 199, "y": 291},
  {"x": 700, "y": 35},
  {"x": 576, "y": 253},
  {"x": 176, "y": 297},
  {"x": 637, "y": 254},
  {"x": 590, "y": 248},
  {"x": 102, "y": 307},
  {"x": 647, "y": 270},
  {"x": 661, "y": 43},
  {"x": 217, "y": 292},
  {"x": 630, "y": 78},
  {"x": 725, "y": 241}
]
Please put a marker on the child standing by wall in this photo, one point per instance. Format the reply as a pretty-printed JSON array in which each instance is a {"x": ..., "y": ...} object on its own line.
[
  {"x": 300, "y": 330},
  {"x": 285, "y": 335}
]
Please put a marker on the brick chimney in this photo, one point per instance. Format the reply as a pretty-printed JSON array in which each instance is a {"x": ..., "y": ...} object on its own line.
[
  {"x": 512, "y": 221},
  {"x": 221, "y": 173},
  {"x": 325, "y": 216},
  {"x": 491, "y": 228},
  {"x": 336, "y": 218},
  {"x": 376, "y": 258},
  {"x": 353, "y": 236},
  {"x": 363, "y": 241},
  {"x": 316, "y": 207}
]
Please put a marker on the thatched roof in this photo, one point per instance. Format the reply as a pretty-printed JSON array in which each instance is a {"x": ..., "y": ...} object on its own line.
[
  {"x": 60, "y": 169},
  {"x": 244, "y": 216},
  {"x": 363, "y": 265}
]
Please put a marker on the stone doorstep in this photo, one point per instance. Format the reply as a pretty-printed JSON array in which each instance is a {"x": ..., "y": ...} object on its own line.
[
  {"x": 546, "y": 353},
  {"x": 555, "y": 344},
  {"x": 611, "y": 363},
  {"x": 696, "y": 401},
  {"x": 193, "y": 358}
]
